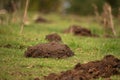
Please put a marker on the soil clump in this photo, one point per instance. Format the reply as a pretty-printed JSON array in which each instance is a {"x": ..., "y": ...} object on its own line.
[
  {"x": 53, "y": 37},
  {"x": 104, "y": 68},
  {"x": 49, "y": 50},
  {"x": 80, "y": 31}
]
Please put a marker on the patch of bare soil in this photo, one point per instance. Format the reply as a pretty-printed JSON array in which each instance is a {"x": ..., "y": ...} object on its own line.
[
  {"x": 109, "y": 36},
  {"x": 41, "y": 20},
  {"x": 12, "y": 46},
  {"x": 79, "y": 31},
  {"x": 52, "y": 50},
  {"x": 104, "y": 68},
  {"x": 36, "y": 79},
  {"x": 53, "y": 37},
  {"x": 7, "y": 46}
]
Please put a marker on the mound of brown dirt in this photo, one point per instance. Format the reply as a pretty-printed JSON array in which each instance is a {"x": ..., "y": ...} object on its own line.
[
  {"x": 78, "y": 30},
  {"x": 52, "y": 49},
  {"x": 53, "y": 37},
  {"x": 104, "y": 68},
  {"x": 36, "y": 79},
  {"x": 41, "y": 20}
]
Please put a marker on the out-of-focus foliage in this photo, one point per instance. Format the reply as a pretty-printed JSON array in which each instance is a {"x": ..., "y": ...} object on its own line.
[
  {"x": 10, "y": 5},
  {"x": 83, "y": 7},
  {"x": 45, "y": 5},
  {"x": 115, "y": 5}
]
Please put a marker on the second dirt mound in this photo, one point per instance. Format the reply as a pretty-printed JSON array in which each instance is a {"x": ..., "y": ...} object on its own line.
[
  {"x": 52, "y": 50},
  {"x": 53, "y": 37},
  {"x": 80, "y": 31},
  {"x": 41, "y": 20}
]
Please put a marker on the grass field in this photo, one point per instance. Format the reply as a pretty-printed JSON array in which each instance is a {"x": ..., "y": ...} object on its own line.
[{"x": 14, "y": 66}]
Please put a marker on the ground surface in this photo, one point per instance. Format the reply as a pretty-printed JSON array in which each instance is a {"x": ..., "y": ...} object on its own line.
[
  {"x": 104, "y": 68},
  {"x": 14, "y": 66}
]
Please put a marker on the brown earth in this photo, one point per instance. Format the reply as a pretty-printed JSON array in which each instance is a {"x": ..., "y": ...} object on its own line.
[
  {"x": 41, "y": 20},
  {"x": 80, "y": 31},
  {"x": 36, "y": 79},
  {"x": 13, "y": 46},
  {"x": 52, "y": 50},
  {"x": 104, "y": 68},
  {"x": 53, "y": 37}
]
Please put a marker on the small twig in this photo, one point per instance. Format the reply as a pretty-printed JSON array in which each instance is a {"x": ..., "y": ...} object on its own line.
[
  {"x": 96, "y": 12},
  {"x": 24, "y": 17},
  {"x": 108, "y": 18},
  {"x": 111, "y": 20}
]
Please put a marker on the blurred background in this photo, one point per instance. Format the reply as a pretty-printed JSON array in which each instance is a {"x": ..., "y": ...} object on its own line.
[
  {"x": 105, "y": 12},
  {"x": 91, "y": 28},
  {"x": 79, "y": 7}
]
